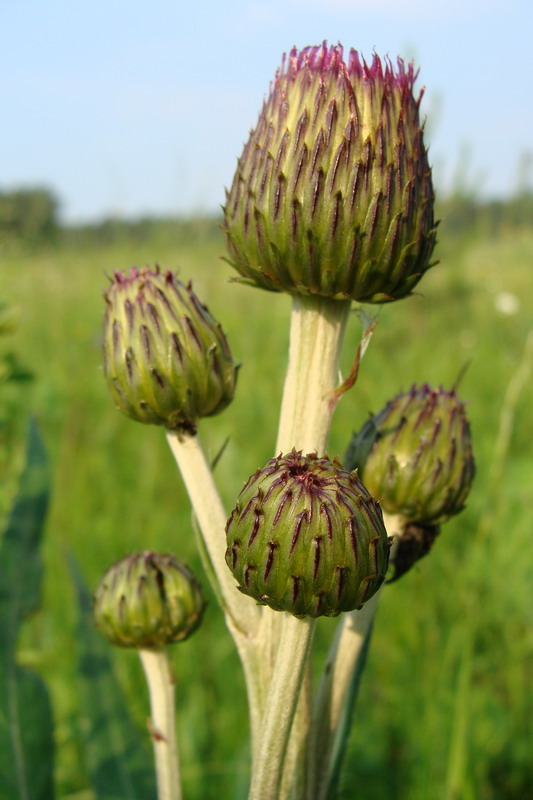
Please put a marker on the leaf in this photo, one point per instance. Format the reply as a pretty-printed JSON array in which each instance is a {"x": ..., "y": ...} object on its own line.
[
  {"x": 26, "y": 722},
  {"x": 20, "y": 560},
  {"x": 118, "y": 759},
  {"x": 26, "y": 736}
]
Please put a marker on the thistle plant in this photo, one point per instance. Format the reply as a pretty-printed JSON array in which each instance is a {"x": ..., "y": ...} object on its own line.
[{"x": 332, "y": 202}]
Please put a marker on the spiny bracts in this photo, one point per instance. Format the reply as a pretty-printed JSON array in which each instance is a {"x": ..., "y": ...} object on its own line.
[
  {"x": 333, "y": 192},
  {"x": 307, "y": 537},
  {"x": 167, "y": 360},
  {"x": 148, "y": 600},
  {"x": 416, "y": 456}
]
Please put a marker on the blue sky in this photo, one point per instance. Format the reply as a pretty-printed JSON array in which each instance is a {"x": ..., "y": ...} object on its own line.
[{"x": 133, "y": 108}]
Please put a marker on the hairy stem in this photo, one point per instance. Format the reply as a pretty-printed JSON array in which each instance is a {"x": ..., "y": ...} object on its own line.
[
  {"x": 344, "y": 663},
  {"x": 162, "y": 723},
  {"x": 243, "y": 617},
  {"x": 293, "y": 652},
  {"x": 317, "y": 330},
  {"x": 211, "y": 516},
  {"x": 339, "y": 686}
]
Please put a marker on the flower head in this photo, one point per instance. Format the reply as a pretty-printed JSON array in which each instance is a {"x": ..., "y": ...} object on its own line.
[
  {"x": 307, "y": 537},
  {"x": 167, "y": 361},
  {"x": 333, "y": 193},
  {"x": 148, "y": 600},
  {"x": 415, "y": 455}
]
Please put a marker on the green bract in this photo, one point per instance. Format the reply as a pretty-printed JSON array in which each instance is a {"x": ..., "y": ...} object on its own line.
[
  {"x": 333, "y": 193},
  {"x": 416, "y": 455},
  {"x": 306, "y": 537},
  {"x": 148, "y": 600},
  {"x": 167, "y": 361}
]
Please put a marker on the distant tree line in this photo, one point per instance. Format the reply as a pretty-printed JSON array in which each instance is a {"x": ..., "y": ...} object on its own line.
[
  {"x": 113, "y": 230},
  {"x": 30, "y": 215},
  {"x": 462, "y": 213}
]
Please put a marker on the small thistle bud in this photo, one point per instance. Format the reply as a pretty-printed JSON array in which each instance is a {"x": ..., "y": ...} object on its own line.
[
  {"x": 416, "y": 455},
  {"x": 148, "y": 600},
  {"x": 333, "y": 194},
  {"x": 306, "y": 537},
  {"x": 167, "y": 361}
]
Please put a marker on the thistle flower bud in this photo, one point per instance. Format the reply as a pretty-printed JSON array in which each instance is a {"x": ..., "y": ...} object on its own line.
[
  {"x": 306, "y": 537},
  {"x": 416, "y": 455},
  {"x": 333, "y": 193},
  {"x": 148, "y": 600},
  {"x": 167, "y": 361}
]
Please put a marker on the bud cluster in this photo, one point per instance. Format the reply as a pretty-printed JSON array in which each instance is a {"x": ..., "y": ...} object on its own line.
[
  {"x": 306, "y": 537},
  {"x": 333, "y": 193}
]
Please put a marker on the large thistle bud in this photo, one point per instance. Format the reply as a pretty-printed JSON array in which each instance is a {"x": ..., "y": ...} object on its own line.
[
  {"x": 167, "y": 361},
  {"x": 148, "y": 600},
  {"x": 416, "y": 455},
  {"x": 306, "y": 537},
  {"x": 333, "y": 193}
]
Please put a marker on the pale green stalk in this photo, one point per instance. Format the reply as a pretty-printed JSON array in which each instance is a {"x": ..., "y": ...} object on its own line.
[
  {"x": 343, "y": 665},
  {"x": 162, "y": 723},
  {"x": 347, "y": 648},
  {"x": 211, "y": 516},
  {"x": 317, "y": 329},
  {"x": 293, "y": 652},
  {"x": 243, "y": 617}
]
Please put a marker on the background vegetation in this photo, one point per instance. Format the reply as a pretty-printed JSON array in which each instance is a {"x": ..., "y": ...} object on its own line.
[{"x": 446, "y": 707}]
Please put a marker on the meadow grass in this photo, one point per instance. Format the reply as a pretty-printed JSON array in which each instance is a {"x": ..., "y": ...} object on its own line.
[{"x": 446, "y": 710}]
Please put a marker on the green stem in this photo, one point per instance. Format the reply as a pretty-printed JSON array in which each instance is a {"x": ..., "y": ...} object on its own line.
[
  {"x": 162, "y": 723},
  {"x": 340, "y": 682},
  {"x": 211, "y": 516},
  {"x": 338, "y": 690},
  {"x": 243, "y": 617},
  {"x": 317, "y": 330},
  {"x": 280, "y": 705}
]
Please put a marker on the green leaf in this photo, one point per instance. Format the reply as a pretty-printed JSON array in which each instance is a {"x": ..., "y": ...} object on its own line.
[
  {"x": 20, "y": 560},
  {"x": 26, "y": 736},
  {"x": 26, "y": 723},
  {"x": 118, "y": 759}
]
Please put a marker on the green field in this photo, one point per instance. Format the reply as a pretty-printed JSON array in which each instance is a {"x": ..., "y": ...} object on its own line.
[{"x": 446, "y": 705}]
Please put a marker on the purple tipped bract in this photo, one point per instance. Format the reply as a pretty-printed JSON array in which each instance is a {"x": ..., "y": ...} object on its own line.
[
  {"x": 307, "y": 537},
  {"x": 333, "y": 194},
  {"x": 167, "y": 360},
  {"x": 416, "y": 455}
]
